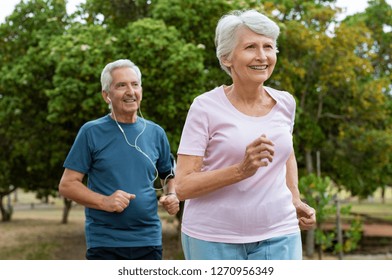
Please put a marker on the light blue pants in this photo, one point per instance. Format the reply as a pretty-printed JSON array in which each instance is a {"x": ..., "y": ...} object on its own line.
[{"x": 287, "y": 247}]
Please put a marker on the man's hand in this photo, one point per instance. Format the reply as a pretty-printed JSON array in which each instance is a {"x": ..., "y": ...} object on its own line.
[
  {"x": 171, "y": 203},
  {"x": 117, "y": 202}
]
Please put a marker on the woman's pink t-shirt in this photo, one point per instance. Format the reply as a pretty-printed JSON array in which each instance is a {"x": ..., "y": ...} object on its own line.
[{"x": 259, "y": 207}]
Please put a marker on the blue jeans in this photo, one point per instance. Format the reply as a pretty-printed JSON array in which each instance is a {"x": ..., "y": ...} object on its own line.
[{"x": 287, "y": 247}]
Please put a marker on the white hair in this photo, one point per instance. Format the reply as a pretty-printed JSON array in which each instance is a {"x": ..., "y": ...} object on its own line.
[
  {"x": 225, "y": 33},
  {"x": 106, "y": 75}
]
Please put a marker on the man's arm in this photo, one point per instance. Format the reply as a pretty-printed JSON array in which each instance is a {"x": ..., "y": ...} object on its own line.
[
  {"x": 71, "y": 186},
  {"x": 169, "y": 200}
]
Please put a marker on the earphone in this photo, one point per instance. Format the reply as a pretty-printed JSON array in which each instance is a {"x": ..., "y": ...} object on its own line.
[
  {"x": 135, "y": 146},
  {"x": 110, "y": 103}
]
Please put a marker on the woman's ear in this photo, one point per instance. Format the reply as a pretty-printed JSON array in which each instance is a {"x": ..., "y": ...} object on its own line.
[{"x": 226, "y": 62}]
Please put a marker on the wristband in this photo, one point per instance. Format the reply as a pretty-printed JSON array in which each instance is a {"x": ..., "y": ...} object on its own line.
[{"x": 171, "y": 193}]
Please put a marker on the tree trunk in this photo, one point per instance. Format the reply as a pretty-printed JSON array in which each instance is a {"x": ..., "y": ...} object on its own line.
[
  {"x": 6, "y": 214},
  {"x": 339, "y": 228},
  {"x": 383, "y": 194},
  {"x": 66, "y": 210},
  {"x": 310, "y": 233},
  {"x": 309, "y": 161}
]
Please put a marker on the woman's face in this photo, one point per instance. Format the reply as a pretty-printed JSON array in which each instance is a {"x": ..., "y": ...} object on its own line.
[{"x": 253, "y": 58}]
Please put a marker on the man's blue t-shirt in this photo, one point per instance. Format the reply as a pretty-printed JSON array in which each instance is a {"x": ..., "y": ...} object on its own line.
[{"x": 101, "y": 151}]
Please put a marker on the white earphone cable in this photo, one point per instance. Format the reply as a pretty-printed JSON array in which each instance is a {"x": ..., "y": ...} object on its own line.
[{"x": 140, "y": 150}]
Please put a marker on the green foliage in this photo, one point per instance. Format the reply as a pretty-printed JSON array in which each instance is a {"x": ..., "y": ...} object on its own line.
[
  {"x": 79, "y": 58},
  {"x": 352, "y": 236},
  {"x": 115, "y": 13},
  {"x": 172, "y": 71},
  {"x": 363, "y": 144},
  {"x": 195, "y": 21},
  {"x": 321, "y": 195},
  {"x": 25, "y": 159},
  {"x": 50, "y": 64},
  {"x": 332, "y": 75},
  {"x": 318, "y": 193}
]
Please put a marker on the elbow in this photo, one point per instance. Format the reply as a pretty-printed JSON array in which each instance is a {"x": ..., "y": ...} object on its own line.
[
  {"x": 180, "y": 190},
  {"x": 62, "y": 189},
  {"x": 180, "y": 193}
]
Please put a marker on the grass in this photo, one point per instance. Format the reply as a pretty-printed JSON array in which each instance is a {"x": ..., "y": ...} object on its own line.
[
  {"x": 375, "y": 210},
  {"x": 36, "y": 233},
  {"x": 372, "y": 208}
]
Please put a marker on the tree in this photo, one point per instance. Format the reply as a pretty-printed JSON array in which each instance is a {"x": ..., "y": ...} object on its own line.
[
  {"x": 378, "y": 18},
  {"x": 320, "y": 192},
  {"x": 330, "y": 73},
  {"x": 172, "y": 71},
  {"x": 50, "y": 67},
  {"x": 115, "y": 14},
  {"x": 196, "y": 21},
  {"x": 75, "y": 98},
  {"x": 23, "y": 79}
]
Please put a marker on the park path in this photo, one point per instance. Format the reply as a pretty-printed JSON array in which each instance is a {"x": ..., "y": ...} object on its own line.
[{"x": 374, "y": 230}]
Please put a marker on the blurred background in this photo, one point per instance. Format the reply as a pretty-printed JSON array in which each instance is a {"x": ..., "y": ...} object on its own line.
[{"x": 335, "y": 61}]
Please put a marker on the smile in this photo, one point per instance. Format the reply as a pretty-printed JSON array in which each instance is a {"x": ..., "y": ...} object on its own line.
[
  {"x": 259, "y": 67},
  {"x": 129, "y": 100}
]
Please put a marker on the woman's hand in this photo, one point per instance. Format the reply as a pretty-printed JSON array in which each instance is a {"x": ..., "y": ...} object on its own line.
[
  {"x": 306, "y": 215},
  {"x": 259, "y": 153}
]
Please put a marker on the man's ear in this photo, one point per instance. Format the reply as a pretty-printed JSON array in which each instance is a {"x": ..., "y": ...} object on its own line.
[{"x": 105, "y": 97}]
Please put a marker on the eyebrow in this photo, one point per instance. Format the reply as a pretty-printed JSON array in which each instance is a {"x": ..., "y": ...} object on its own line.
[{"x": 267, "y": 41}]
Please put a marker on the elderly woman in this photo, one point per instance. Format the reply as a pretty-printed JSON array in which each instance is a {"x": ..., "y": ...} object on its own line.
[{"x": 236, "y": 167}]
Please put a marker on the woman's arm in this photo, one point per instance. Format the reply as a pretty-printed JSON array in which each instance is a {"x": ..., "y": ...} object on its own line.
[
  {"x": 306, "y": 214},
  {"x": 191, "y": 182}
]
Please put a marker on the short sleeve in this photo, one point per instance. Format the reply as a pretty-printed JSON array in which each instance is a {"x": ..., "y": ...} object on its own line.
[
  {"x": 194, "y": 138},
  {"x": 79, "y": 157}
]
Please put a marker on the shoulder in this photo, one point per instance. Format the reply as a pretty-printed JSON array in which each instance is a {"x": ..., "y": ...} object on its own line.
[
  {"x": 283, "y": 97},
  {"x": 94, "y": 123},
  {"x": 208, "y": 99},
  {"x": 152, "y": 125}
]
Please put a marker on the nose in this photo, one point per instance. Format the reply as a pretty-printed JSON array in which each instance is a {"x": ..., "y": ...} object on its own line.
[
  {"x": 130, "y": 89},
  {"x": 261, "y": 54}
]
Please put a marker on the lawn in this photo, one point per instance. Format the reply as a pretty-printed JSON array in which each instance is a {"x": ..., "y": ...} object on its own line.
[{"x": 36, "y": 232}]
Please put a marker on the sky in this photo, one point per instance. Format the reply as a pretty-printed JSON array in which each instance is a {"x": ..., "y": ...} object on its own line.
[
  {"x": 352, "y": 6},
  {"x": 7, "y": 6}
]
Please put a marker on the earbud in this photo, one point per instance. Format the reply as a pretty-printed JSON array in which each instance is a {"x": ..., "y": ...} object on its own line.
[{"x": 110, "y": 101}]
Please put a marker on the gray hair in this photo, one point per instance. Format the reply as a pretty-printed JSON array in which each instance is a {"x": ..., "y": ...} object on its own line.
[
  {"x": 106, "y": 75},
  {"x": 225, "y": 32}
]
